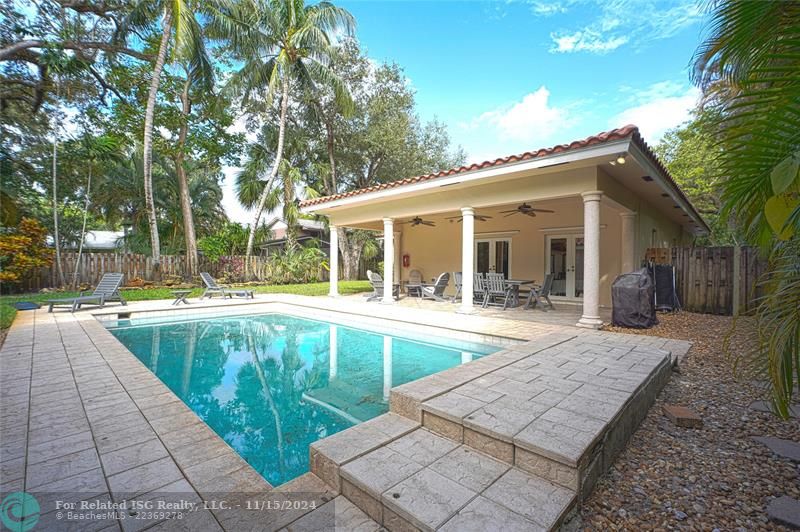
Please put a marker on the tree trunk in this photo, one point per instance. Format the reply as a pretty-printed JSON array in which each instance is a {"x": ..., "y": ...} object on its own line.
[
  {"x": 351, "y": 255},
  {"x": 331, "y": 158},
  {"x": 183, "y": 188},
  {"x": 83, "y": 229},
  {"x": 152, "y": 220},
  {"x": 262, "y": 201},
  {"x": 56, "y": 236},
  {"x": 288, "y": 213}
]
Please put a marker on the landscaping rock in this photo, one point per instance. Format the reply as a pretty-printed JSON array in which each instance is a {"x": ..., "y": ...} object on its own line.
[
  {"x": 783, "y": 448},
  {"x": 785, "y": 510},
  {"x": 682, "y": 416},
  {"x": 718, "y": 476}
]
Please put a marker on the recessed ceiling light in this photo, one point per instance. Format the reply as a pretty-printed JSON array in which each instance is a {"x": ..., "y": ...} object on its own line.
[{"x": 621, "y": 159}]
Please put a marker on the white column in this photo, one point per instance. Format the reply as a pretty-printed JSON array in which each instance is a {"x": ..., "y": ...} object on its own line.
[
  {"x": 467, "y": 258},
  {"x": 466, "y": 356},
  {"x": 591, "y": 260},
  {"x": 333, "y": 355},
  {"x": 387, "y": 366},
  {"x": 628, "y": 241},
  {"x": 398, "y": 242},
  {"x": 333, "y": 291},
  {"x": 388, "y": 260}
]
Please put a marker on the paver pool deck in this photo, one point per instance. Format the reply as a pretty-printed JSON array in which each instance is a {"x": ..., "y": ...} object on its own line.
[{"x": 516, "y": 438}]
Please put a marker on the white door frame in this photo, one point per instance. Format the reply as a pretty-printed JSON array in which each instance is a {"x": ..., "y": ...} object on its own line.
[
  {"x": 493, "y": 252},
  {"x": 570, "y": 266}
]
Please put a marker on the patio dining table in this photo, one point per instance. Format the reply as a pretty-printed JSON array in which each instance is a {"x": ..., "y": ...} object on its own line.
[{"x": 514, "y": 284}]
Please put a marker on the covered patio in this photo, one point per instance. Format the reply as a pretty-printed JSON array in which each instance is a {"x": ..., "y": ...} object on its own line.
[{"x": 583, "y": 213}]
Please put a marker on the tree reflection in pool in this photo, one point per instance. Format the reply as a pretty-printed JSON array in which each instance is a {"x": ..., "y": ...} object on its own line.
[{"x": 272, "y": 384}]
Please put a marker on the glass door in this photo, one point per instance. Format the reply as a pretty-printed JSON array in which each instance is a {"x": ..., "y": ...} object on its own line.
[
  {"x": 565, "y": 262},
  {"x": 493, "y": 255}
]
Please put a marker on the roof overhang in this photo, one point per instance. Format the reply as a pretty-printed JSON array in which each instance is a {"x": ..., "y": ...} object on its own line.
[{"x": 507, "y": 171}]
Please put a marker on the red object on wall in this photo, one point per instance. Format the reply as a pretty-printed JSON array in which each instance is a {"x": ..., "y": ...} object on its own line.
[{"x": 406, "y": 260}]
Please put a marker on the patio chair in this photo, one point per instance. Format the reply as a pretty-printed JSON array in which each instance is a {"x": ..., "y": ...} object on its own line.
[
  {"x": 414, "y": 284},
  {"x": 377, "y": 286},
  {"x": 106, "y": 290},
  {"x": 458, "y": 281},
  {"x": 479, "y": 288},
  {"x": 436, "y": 290},
  {"x": 213, "y": 288},
  {"x": 539, "y": 293},
  {"x": 497, "y": 290}
]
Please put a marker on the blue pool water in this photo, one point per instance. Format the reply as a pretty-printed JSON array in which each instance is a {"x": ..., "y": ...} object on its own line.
[{"x": 272, "y": 384}]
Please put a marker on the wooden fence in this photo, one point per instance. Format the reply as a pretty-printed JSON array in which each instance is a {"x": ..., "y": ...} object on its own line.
[
  {"x": 714, "y": 280},
  {"x": 133, "y": 265}
]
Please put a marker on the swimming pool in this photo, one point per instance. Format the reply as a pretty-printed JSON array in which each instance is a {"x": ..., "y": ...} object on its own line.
[{"x": 272, "y": 384}]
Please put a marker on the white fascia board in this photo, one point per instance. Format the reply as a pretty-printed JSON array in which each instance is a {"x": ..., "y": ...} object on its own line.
[
  {"x": 671, "y": 189},
  {"x": 603, "y": 150}
]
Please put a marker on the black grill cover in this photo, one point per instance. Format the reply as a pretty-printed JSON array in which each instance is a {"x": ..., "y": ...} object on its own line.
[{"x": 632, "y": 299}]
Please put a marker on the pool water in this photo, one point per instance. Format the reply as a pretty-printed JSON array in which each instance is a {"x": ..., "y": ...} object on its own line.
[{"x": 272, "y": 384}]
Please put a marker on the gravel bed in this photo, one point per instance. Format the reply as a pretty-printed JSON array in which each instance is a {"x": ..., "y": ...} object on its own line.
[{"x": 716, "y": 477}]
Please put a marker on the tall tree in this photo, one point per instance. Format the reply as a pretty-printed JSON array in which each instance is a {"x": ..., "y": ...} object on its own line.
[
  {"x": 749, "y": 69},
  {"x": 92, "y": 150},
  {"x": 281, "y": 42},
  {"x": 178, "y": 16}
]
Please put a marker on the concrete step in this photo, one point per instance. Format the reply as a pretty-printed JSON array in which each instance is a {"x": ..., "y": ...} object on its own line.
[
  {"x": 422, "y": 481},
  {"x": 562, "y": 413}
]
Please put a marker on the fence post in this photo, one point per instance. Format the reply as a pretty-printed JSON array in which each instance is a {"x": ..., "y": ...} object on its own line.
[{"x": 737, "y": 278}]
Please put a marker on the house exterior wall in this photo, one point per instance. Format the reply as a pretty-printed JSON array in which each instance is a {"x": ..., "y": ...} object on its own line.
[{"x": 433, "y": 250}]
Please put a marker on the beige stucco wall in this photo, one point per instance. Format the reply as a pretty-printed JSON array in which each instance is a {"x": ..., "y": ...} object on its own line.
[{"x": 433, "y": 250}]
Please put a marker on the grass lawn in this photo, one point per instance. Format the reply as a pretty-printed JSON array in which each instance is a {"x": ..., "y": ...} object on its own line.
[{"x": 8, "y": 312}]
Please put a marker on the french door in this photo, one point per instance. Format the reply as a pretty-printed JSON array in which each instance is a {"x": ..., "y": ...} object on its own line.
[
  {"x": 565, "y": 261},
  {"x": 493, "y": 255}
]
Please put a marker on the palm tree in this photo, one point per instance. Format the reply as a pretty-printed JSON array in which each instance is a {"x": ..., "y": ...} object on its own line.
[
  {"x": 91, "y": 151},
  {"x": 749, "y": 69},
  {"x": 177, "y": 16},
  {"x": 281, "y": 42}
]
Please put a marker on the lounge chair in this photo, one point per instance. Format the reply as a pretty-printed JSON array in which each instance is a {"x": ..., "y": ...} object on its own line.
[
  {"x": 414, "y": 284},
  {"x": 436, "y": 291},
  {"x": 497, "y": 290},
  {"x": 458, "y": 281},
  {"x": 106, "y": 290},
  {"x": 213, "y": 288},
  {"x": 539, "y": 293},
  {"x": 377, "y": 287}
]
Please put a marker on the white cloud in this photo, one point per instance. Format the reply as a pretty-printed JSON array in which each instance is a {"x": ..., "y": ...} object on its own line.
[
  {"x": 586, "y": 41},
  {"x": 658, "y": 108},
  {"x": 530, "y": 120},
  {"x": 620, "y": 22}
]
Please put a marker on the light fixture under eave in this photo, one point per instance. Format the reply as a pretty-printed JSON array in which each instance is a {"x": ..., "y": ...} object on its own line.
[{"x": 621, "y": 159}]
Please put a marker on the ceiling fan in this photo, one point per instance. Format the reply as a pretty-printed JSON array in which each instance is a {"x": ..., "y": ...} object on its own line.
[
  {"x": 419, "y": 221},
  {"x": 526, "y": 209},
  {"x": 479, "y": 217}
]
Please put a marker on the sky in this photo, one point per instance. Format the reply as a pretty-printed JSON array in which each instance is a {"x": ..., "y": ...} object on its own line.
[{"x": 508, "y": 77}]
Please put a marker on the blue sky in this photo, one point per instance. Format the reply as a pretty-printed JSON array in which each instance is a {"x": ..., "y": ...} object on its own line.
[{"x": 508, "y": 77}]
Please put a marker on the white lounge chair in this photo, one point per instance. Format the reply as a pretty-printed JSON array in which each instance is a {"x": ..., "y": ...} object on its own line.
[{"x": 436, "y": 291}]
